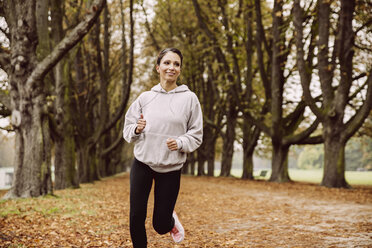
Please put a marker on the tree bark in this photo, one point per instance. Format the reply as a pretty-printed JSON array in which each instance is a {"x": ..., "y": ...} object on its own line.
[
  {"x": 210, "y": 151},
  {"x": 228, "y": 142},
  {"x": 28, "y": 101},
  {"x": 201, "y": 164},
  {"x": 103, "y": 74},
  {"x": 334, "y": 159},
  {"x": 32, "y": 165},
  {"x": 250, "y": 138},
  {"x": 65, "y": 149},
  {"x": 250, "y": 132},
  {"x": 279, "y": 163}
]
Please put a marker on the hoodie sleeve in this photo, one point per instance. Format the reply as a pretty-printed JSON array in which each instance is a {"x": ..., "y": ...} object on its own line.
[
  {"x": 193, "y": 138},
  {"x": 130, "y": 124}
]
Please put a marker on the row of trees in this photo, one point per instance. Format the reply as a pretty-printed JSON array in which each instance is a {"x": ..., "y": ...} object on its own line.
[
  {"x": 297, "y": 72},
  {"x": 65, "y": 89},
  {"x": 292, "y": 73}
]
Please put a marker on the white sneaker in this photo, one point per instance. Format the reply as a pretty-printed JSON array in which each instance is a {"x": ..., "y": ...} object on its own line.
[{"x": 177, "y": 233}]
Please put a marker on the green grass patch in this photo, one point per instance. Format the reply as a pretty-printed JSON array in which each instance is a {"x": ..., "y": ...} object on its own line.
[
  {"x": 359, "y": 177},
  {"x": 313, "y": 176},
  {"x": 9, "y": 211}
]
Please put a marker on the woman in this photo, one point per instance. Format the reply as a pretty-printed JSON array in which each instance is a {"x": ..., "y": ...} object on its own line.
[{"x": 165, "y": 124}]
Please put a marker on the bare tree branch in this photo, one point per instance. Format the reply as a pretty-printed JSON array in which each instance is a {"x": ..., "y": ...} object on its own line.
[
  {"x": 357, "y": 120},
  {"x": 302, "y": 136},
  {"x": 5, "y": 99},
  {"x": 367, "y": 24},
  {"x": 4, "y": 60},
  {"x": 261, "y": 39},
  {"x": 66, "y": 44},
  {"x": 119, "y": 140},
  {"x": 312, "y": 140},
  {"x": 5, "y": 33},
  {"x": 148, "y": 28},
  {"x": 264, "y": 128},
  {"x": 126, "y": 85},
  {"x": 325, "y": 68},
  {"x": 8, "y": 129},
  {"x": 303, "y": 67}
]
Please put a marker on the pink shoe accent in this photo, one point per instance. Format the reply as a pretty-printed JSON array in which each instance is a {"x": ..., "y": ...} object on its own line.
[{"x": 177, "y": 233}]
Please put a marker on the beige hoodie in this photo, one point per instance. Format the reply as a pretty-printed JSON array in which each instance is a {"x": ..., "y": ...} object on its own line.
[{"x": 175, "y": 114}]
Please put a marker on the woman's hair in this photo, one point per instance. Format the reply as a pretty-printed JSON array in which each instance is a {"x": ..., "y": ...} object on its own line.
[{"x": 164, "y": 51}]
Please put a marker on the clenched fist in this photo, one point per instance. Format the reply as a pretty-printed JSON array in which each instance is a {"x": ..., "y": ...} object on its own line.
[
  {"x": 172, "y": 144},
  {"x": 141, "y": 124}
]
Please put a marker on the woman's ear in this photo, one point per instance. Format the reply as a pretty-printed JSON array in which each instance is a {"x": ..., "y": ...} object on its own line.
[{"x": 157, "y": 68}]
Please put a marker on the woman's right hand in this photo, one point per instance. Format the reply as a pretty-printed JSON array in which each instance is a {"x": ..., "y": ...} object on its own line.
[{"x": 141, "y": 124}]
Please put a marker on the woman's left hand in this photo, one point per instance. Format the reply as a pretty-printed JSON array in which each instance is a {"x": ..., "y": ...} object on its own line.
[{"x": 172, "y": 144}]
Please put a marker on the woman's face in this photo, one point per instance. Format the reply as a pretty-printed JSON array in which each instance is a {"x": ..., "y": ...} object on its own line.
[{"x": 169, "y": 68}]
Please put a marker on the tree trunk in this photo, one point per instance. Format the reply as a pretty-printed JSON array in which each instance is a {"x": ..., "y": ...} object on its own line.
[
  {"x": 250, "y": 138},
  {"x": 83, "y": 162},
  {"x": 191, "y": 163},
  {"x": 201, "y": 162},
  {"x": 65, "y": 162},
  {"x": 186, "y": 167},
  {"x": 279, "y": 163},
  {"x": 104, "y": 74},
  {"x": 334, "y": 159},
  {"x": 228, "y": 143},
  {"x": 210, "y": 138},
  {"x": 65, "y": 173},
  {"x": 32, "y": 175},
  {"x": 248, "y": 165}
]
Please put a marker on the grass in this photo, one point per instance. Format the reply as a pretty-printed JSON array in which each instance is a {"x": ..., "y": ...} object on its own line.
[
  {"x": 70, "y": 203},
  {"x": 315, "y": 176}
]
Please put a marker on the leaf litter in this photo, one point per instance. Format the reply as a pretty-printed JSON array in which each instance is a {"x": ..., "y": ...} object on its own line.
[{"x": 215, "y": 212}]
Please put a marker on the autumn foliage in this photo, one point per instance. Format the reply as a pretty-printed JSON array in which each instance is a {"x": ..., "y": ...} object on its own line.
[{"x": 216, "y": 212}]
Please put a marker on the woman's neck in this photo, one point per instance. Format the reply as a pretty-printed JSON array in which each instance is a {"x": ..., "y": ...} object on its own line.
[{"x": 168, "y": 85}]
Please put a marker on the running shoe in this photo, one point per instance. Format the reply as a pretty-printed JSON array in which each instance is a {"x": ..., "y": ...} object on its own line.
[{"x": 177, "y": 233}]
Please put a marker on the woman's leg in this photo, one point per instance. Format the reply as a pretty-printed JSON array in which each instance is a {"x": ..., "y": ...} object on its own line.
[
  {"x": 141, "y": 177},
  {"x": 167, "y": 186}
]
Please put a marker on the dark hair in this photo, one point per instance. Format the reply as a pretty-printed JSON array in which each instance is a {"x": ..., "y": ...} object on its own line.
[{"x": 164, "y": 51}]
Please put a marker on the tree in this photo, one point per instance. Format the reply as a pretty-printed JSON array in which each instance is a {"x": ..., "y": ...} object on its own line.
[
  {"x": 65, "y": 172},
  {"x": 230, "y": 78},
  {"x": 281, "y": 119},
  {"x": 27, "y": 93},
  {"x": 340, "y": 68},
  {"x": 199, "y": 71}
]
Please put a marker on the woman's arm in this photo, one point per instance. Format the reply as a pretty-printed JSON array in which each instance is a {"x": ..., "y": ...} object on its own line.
[
  {"x": 131, "y": 118},
  {"x": 193, "y": 138}
]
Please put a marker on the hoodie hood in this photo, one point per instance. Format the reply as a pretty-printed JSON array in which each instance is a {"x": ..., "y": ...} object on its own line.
[{"x": 179, "y": 89}]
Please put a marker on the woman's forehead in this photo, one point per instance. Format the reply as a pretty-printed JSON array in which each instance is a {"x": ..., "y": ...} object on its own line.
[{"x": 171, "y": 56}]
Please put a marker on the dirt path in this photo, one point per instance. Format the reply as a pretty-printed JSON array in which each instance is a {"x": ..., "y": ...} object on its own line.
[{"x": 216, "y": 212}]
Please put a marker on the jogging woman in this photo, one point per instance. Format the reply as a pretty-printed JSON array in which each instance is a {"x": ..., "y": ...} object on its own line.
[{"x": 165, "y": 124}]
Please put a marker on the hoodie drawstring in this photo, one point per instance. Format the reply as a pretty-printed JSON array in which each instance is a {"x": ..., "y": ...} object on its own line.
[{"x": 170, "y": 102}]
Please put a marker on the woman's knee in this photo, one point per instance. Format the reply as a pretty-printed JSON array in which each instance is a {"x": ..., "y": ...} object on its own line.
[{"x": 161, "y": 226}]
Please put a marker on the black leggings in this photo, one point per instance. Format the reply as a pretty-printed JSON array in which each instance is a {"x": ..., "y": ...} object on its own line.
[{"x": 166, "y": 190}]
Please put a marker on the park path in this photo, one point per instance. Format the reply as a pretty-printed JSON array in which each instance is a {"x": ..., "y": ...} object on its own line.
[{"x": 216, "y": 212}]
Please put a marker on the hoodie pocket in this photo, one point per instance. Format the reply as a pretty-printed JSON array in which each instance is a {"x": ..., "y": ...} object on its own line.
[{"x": 157, "y": 152}]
